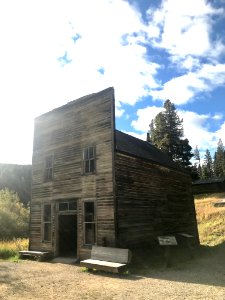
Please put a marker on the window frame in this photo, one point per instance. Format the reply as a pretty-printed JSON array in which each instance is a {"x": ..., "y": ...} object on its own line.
[
  {"x": 68, "y": 208},
  {"x": 48, "y": 172},
  {"x": 87, "y": 222},
  {"x": 46, "y": 223},
  {"x": 88, "y": 160}
]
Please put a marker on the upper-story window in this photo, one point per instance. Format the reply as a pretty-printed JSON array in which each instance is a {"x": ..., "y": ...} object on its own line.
[
  {"x": 48, "y": 168},
  {"x": 89, "y": 160}
]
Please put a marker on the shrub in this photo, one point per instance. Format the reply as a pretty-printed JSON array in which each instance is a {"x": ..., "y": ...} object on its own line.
[
  {"x": 11, "y": 248},
  {"x": 14, "y": 217}
]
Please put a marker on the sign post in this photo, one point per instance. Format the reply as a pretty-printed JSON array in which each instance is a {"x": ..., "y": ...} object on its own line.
[{"x": 167, "y": 242}]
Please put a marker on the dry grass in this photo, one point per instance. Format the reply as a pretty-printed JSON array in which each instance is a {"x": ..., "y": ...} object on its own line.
[
  {"x": 10, "y": 249},
  {"x": 211, "y": 220}
]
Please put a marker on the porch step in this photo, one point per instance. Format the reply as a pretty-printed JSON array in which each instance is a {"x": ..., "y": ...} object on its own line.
[{"x": 40, "y": 255}]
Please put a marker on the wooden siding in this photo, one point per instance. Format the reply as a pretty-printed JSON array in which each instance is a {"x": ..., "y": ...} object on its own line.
[
  {"x": 209, "y": 188},
  {"x": 64, "y": 133},
  {"x": 151, "y": 200}
]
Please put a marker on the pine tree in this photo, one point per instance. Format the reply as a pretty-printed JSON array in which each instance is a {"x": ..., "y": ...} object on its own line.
[
  {"x": 197, "y": 155},
  {"x": 219, "y": 160},
  {"x": 166, "y": 132},
  {"x": 207, "y": 167},
  {"x": 198, "y": 164}
]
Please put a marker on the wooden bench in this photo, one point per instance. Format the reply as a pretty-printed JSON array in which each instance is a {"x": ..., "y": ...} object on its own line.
[
  {"x": 107, "y": 259},
  {"x": 40, "y": 255}
]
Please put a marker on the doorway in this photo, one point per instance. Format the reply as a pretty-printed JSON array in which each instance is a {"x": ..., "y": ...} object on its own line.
[{"x": 67, "y": 235}]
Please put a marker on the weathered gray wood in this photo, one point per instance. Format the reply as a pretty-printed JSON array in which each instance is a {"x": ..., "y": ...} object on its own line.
[
  {"x": 102, "y": 265},
  {"x": 111, "y": 254},
  {"x": 64, "y": 133},
  {"x": 136, "y": 199},
  {"x": 152, "y": 200},
  {"x": 107, "y": 259},
  {"x": 167, "y": 241},
  {"x": 42, "y": 255},
  {"x": 36, "y": 253},
  {"x": 186, "y": 235}
]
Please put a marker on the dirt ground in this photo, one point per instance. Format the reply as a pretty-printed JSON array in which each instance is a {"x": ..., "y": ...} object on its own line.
[{"x": 200, "y": 278}]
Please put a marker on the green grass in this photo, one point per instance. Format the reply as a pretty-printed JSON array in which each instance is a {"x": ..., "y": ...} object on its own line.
[{"x": 10, "y": 249}]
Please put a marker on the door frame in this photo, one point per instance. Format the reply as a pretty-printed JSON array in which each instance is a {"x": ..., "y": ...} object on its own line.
[{"x": 69, "y": 212}]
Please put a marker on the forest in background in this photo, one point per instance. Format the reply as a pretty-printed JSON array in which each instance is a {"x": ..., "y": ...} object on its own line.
[
  {"x": 17, "y": 178},
  {"x": 167, "y": 133},
  {"x": 15, "y": 196}
]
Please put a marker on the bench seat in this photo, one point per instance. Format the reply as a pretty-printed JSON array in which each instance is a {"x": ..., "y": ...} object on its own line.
[
  {"x": 107, "y": 259},
  {"x": 102, "y": 265},
  {"x": 42, "y": 255}
]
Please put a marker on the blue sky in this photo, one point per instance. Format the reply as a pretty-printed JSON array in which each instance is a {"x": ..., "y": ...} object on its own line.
[{"x": 55, "y": 51}]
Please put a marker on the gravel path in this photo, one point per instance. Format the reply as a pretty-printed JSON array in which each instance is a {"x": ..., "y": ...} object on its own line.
[{"x": 202, "y": 278}]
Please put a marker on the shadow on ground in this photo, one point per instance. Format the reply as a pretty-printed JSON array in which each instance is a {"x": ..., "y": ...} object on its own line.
[{"x": 205, "y": 267}]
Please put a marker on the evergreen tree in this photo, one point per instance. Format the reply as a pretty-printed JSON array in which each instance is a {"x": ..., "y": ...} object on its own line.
[
  {"x": 166, "y": 132},
  {"x": 219, "y": 160},
  {"x": 197, "y": 155},
  {"x": 198, "y": 165},
  {"x": 207, "y": 167}
]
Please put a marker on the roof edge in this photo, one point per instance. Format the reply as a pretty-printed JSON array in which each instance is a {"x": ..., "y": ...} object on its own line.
[{"x": 68, "y": 104}]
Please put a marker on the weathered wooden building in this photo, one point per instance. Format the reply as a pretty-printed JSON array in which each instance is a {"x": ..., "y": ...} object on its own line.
[
  {"x": 208, "y": 186},
  {"x": 92, "y": 184}
]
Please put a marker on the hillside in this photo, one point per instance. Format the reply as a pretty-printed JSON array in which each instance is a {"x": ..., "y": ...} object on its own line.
[
  {"x": 18, "y": 179},
  {"x": 211, "y": 220}
]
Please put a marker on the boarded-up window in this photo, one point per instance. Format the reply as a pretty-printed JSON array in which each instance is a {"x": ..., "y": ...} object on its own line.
[
  {"x": 89, "y": 223},
  {"x": 89, "y": 161},
  {"x": 47, "y": 224},
  {"x": 48, "y": 168}
]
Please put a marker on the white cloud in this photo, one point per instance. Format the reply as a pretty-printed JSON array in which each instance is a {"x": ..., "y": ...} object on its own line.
[
  {"x": 145, "y": 116},
  {"x": 220, "y": 133},
  {"x": 142, "y": 136},
  {"x": 195, "y": 125},
  {"x": 181, "y": 89},
  {"x": 186, "y": 34},
  {"x": 34, "y": 35},
  {"x": 217, "y": 116},
  {"x": 185, "y": 88},
  {"x": 189, "y": 63},
  {"x": 196, "y": 130},
  {"x": 183, "y": 27}
]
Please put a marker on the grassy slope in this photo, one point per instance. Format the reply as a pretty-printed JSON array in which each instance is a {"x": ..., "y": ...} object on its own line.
[{"x": 211, "y": 220}]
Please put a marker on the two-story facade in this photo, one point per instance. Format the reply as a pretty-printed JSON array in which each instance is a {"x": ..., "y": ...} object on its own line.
[{"x": 92, "y": 184}]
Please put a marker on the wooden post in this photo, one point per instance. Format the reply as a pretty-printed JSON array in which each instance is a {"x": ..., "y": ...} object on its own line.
[
  {"x": 188, "y": 241},
  {"x": 167, "y": 242}
]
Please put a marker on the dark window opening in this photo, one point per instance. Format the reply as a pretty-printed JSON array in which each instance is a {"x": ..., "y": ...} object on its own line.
[
  {"x": 47, "y": 225},
  {"x": 68, "y": 206},
  {"x": 89, "y": 223},
  {"x": 89, "y": 160},
  {"x": 63, "y": 206},
  {"x": 49, "y": 168}
]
